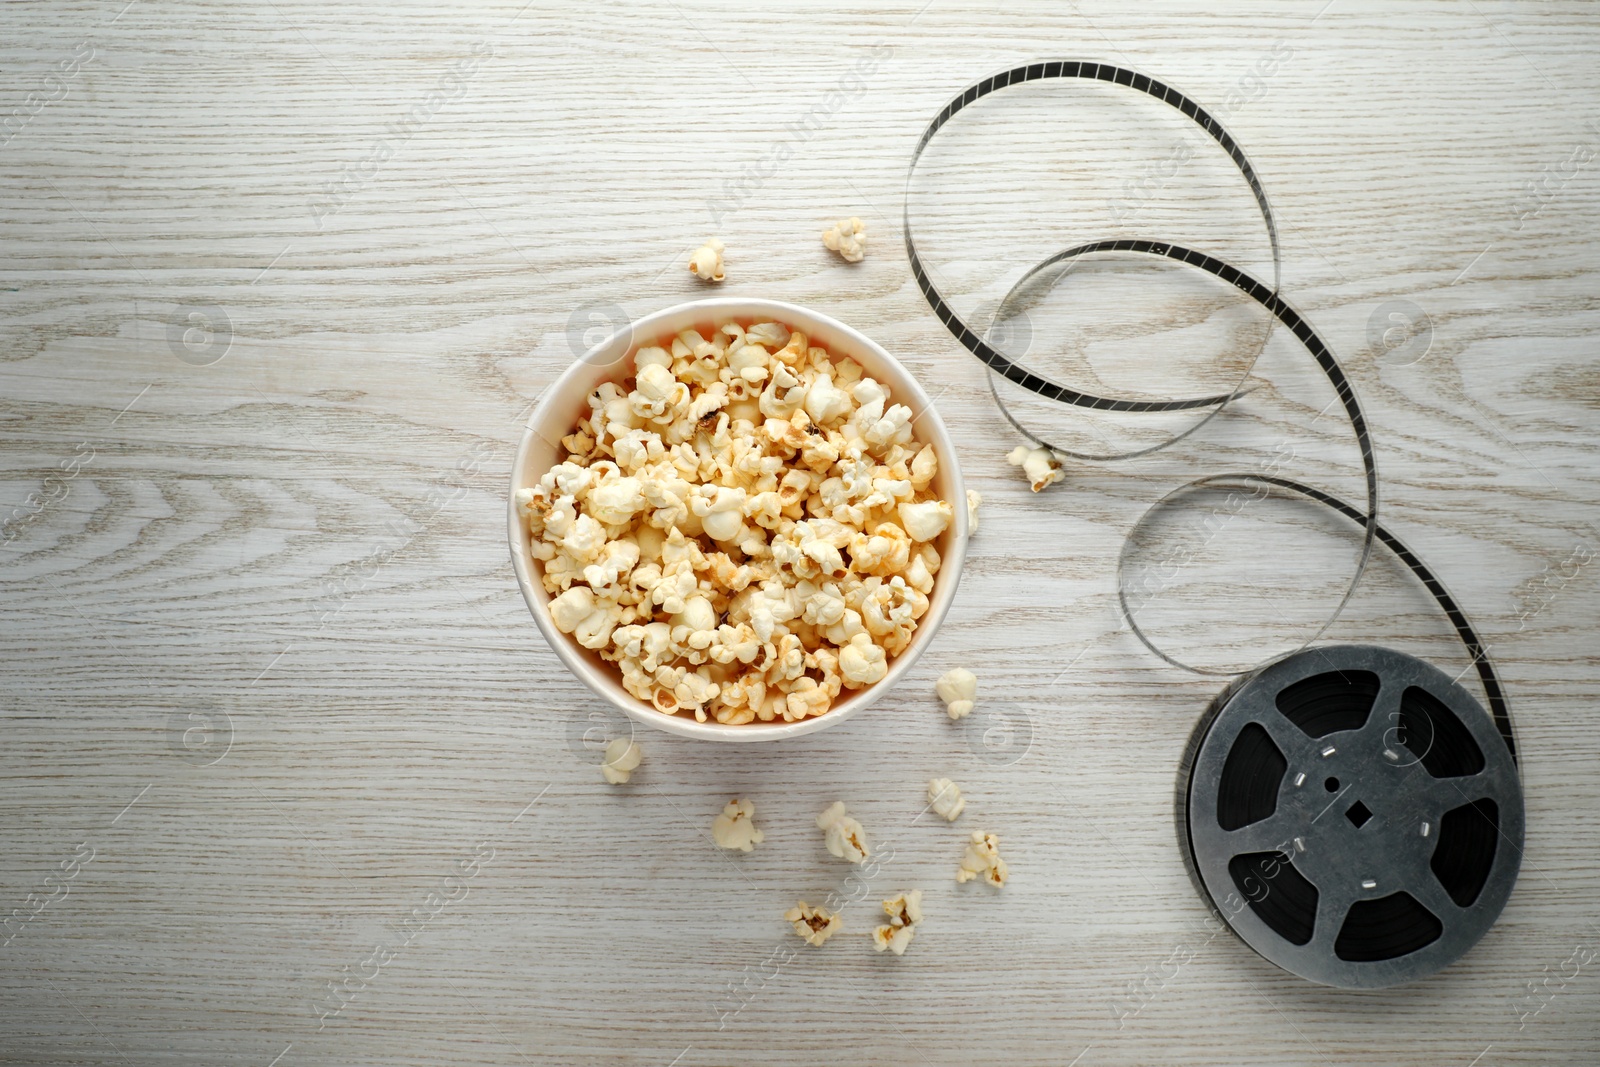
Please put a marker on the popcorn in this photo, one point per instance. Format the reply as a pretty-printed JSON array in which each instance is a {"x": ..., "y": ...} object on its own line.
[
  {"x": 886, "y": 552},
  {"x": 749, "y": 362},
  {"x": 616, "y": 561},
  {"x": 695, "y": 689},
  {"x": 848, "y": 238},
  {"x": 622, "y": 757},
  {"x": 615, "y": 501},
  {"x": 894, "y": 428},
  {"x": 1039, "y": 464},
  {"x": 959, "y": 691},
  {"x": 735, "y": 644},
  {"x": 844, "y": 835},
  {"x": 560, "y": 570},
  {"x": 868, "y": 392},
  {"x": 647, "y": 355},
  {"x": 983, "y": 859},
  {"x": 890, "y": 609},
  {"x": 584, "y": 539},
  {"x": 861, "y": 662},
  {"x": 529, "y": 503},
  {"x": 825, "y": 402},
  {"x": 734, "y": 829},
  {"x": 824, "y": 554},
  {"x": 905, "y": 912},
  {"x": 771, "y": 334},
  {"x": 918, "y": 576},
  {"x": 783, "y": 394},
  {"x": 697, "y": 615},
  {"x": 974, "y": 499},
  {"x": 571, "y": 608},
  {"x": 595, "y": 629},
  {"x": 806, "y": 698},
  {"x": 945, "y": 798},
  {"x": 925, "y": 519},
  {"x": 924, "y": 465},
  {"x": 745, "y": 527},
  {"x": 815, "y": 925},
  {"x": 721, "y": 510},
  {"x": 707, "y": 261}
]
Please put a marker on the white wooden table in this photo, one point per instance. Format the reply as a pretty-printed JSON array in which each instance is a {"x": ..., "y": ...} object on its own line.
[{"x": 280, "y": 283}]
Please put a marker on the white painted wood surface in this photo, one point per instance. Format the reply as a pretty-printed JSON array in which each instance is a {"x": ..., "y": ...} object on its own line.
[{"x": 271, "y": 702}]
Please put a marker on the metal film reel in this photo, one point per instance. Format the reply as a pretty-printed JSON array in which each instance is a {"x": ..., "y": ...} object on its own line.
[{"x": 1353, "y": 814}]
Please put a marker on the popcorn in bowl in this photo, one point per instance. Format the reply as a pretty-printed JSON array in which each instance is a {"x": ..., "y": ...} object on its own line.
[{"x": 744, "y": 527}]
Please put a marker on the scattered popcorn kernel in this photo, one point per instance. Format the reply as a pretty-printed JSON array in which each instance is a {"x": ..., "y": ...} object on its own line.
[
  {"x": 707, "y": 261},
  {"x": 905, "y": 912},
  {"x": 974, "y": 499},
  {"x": 983, "y": 858},
  {"x": 959, "y": 691},
  {"x": 815, "y": 925},
  {"x": 848, "y": 238},
  {"x": 945, "y": 798},
  {"x": 844, "y": 836},
  {"x": 622, "y": 757},
  {"x": 735, "y": 828},
  {"x": 1039, "y": 464}
]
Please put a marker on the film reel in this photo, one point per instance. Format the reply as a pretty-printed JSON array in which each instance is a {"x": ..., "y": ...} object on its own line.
[
  {"x": 1351, "y": 812},
  {"x": 1353, "y": 815}
]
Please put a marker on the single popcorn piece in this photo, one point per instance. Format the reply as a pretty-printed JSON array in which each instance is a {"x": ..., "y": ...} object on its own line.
[
  {"x": 735, "y": 829},
  {"x": 861, "y": 662},
  {"x": 1039, "y": 464},
  {"x": 707, "y": 261},
  {"x": 974, "y": 499},
  {"x": 848, "y": 238},
  {"x": 983, "y": 858},
  {"x": 926, "y": 519},
  {"x": 815, "y": 925},
  {"x": 622, "y": 757},
  {"x": 844, "y": 836},
  {"x": 945, "y": 798},
  {"x": 905, "y": 912},
  {"x": 959, "y": 690},
  {"x": 571, "y": 608}
]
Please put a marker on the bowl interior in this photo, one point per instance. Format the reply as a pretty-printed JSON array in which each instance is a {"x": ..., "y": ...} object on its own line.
[{"x": 566, "y": 401}]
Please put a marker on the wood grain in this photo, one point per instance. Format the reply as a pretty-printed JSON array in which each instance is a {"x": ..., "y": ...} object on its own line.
[{"x": 271, "y": 695}]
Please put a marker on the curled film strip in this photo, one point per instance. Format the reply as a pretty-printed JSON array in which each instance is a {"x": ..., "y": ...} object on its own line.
[
  {"x": 1267, "y": 297},
  {"x": 1426, "y": 845}
]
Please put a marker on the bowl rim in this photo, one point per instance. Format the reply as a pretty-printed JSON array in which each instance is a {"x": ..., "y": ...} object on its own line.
[{"x": 905, "y": 389}]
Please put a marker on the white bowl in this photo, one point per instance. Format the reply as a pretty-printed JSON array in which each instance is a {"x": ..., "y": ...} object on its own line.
[{"x": 563, "y": 404}]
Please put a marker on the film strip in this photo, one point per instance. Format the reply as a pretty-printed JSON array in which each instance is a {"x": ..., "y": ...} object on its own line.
[
  {"x": 1267, "y": 297},
  {"x": 1426, "y": 848}
]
